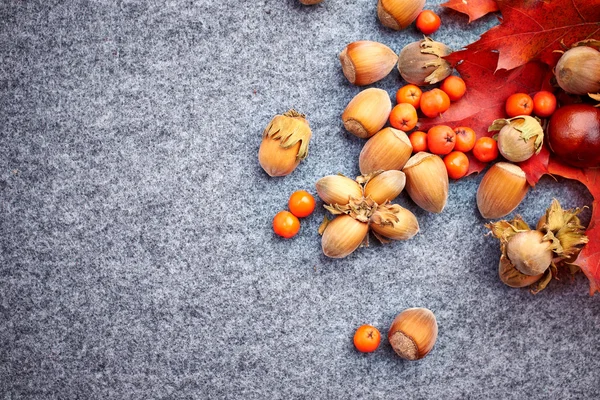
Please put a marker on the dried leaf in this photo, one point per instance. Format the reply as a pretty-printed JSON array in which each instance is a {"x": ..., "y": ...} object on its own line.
[
  {"x": 503, "y": 230},
  {"x": 542, "y": 283},
  {"x": 323, "y": 225},
  {"x": 563, "y": 228}
]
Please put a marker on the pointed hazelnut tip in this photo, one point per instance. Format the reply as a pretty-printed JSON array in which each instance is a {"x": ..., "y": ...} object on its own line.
[
  {"x": 367, "y": 113},
  {"x": 427, "y": 181},
  {"x": 342, "y": 236},
  {"x": 388, "y": 149},
  {"x": 501, "y": 190}
]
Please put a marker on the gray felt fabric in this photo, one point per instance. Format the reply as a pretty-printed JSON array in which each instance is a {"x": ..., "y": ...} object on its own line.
[{"x": 136, "y": 252}]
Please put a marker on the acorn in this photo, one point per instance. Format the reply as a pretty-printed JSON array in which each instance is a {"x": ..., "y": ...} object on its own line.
[
  {"x": 367, "y": 112},
  {"x": 388, "y": 149},
  {"x": 365, "y": 62},
  {"x": 284, "y": 143},
  {"x": 578, "y": 70},
  {"x": 398, "y": 14},
  {"x": 310, "y": 2},
  {"x": 421, "y": 63},
  {"x": 501, "y": 190},
  {"x": 413, "y": 333},
  {"x": 427, "y": 181}
]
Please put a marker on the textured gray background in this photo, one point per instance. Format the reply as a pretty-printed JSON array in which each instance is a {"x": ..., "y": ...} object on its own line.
[{"x": 136, "y": 254}]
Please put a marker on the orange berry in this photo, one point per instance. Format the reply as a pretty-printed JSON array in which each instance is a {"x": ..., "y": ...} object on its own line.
[{"x": 403, "y": 117}]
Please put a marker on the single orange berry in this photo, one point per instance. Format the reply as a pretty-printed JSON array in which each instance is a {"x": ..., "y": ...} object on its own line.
[
  {"x": 410, "y": 94},
  {"x": 519, "y": 104},
  {"x": 428, "y": 22},
  {"x": 486, "y": 149},
  {"x": 418, "y": 140},
  {"x": 457, "y": 164},
  {"x": 403, "y": 117},
  {"x": 286, "y": 224},
  {"x": 301, "y": 203},
  {"x": 440, "y": 139},
  {"x": 465, "y": 139},
  {"x": 544, "y": 104},
  {"x": 434, "y": 102},
  {"x": 367, "y": 339},
  {"x": 454, "y": 86}
]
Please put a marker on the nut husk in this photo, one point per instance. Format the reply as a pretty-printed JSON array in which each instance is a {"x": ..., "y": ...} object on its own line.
[
  {"x": 564, "y": 229},
  {"x": 427, "y": 181},
  {"x": 391, "y": 221},
  {"x": 338, "y": 189},
  {"x": 343, "y": 235},
  {"x": 367, "y": 112},
  {"x": 578, "y": 70},
  {"x": 513, "y": 277},
  {"x": 421, "y": 62},
  {"x": 519, "y": 137},
  {"x": 398, "y": 14},
  {"x": 365, "y": 62},
  {"x": 413, "y": 333},
  {"x": 533, "y": 257},
  {"x": 284, "y": 144},
  {"x": 386, "y": 150},
  {"x": 501, "y": 190}
]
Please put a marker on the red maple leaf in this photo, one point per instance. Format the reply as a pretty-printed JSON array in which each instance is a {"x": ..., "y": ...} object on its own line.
[
  {"x": 536, "y": 166},
  {"x": 589, "y": 258},
  {"x": 533, "y": 29},
  {"x": 487, "y": 91},
  {"x": 475, "y": 9}
]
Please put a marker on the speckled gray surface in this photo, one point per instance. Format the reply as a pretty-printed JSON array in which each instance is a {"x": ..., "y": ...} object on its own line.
[{"x": 137, "y": 259}]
